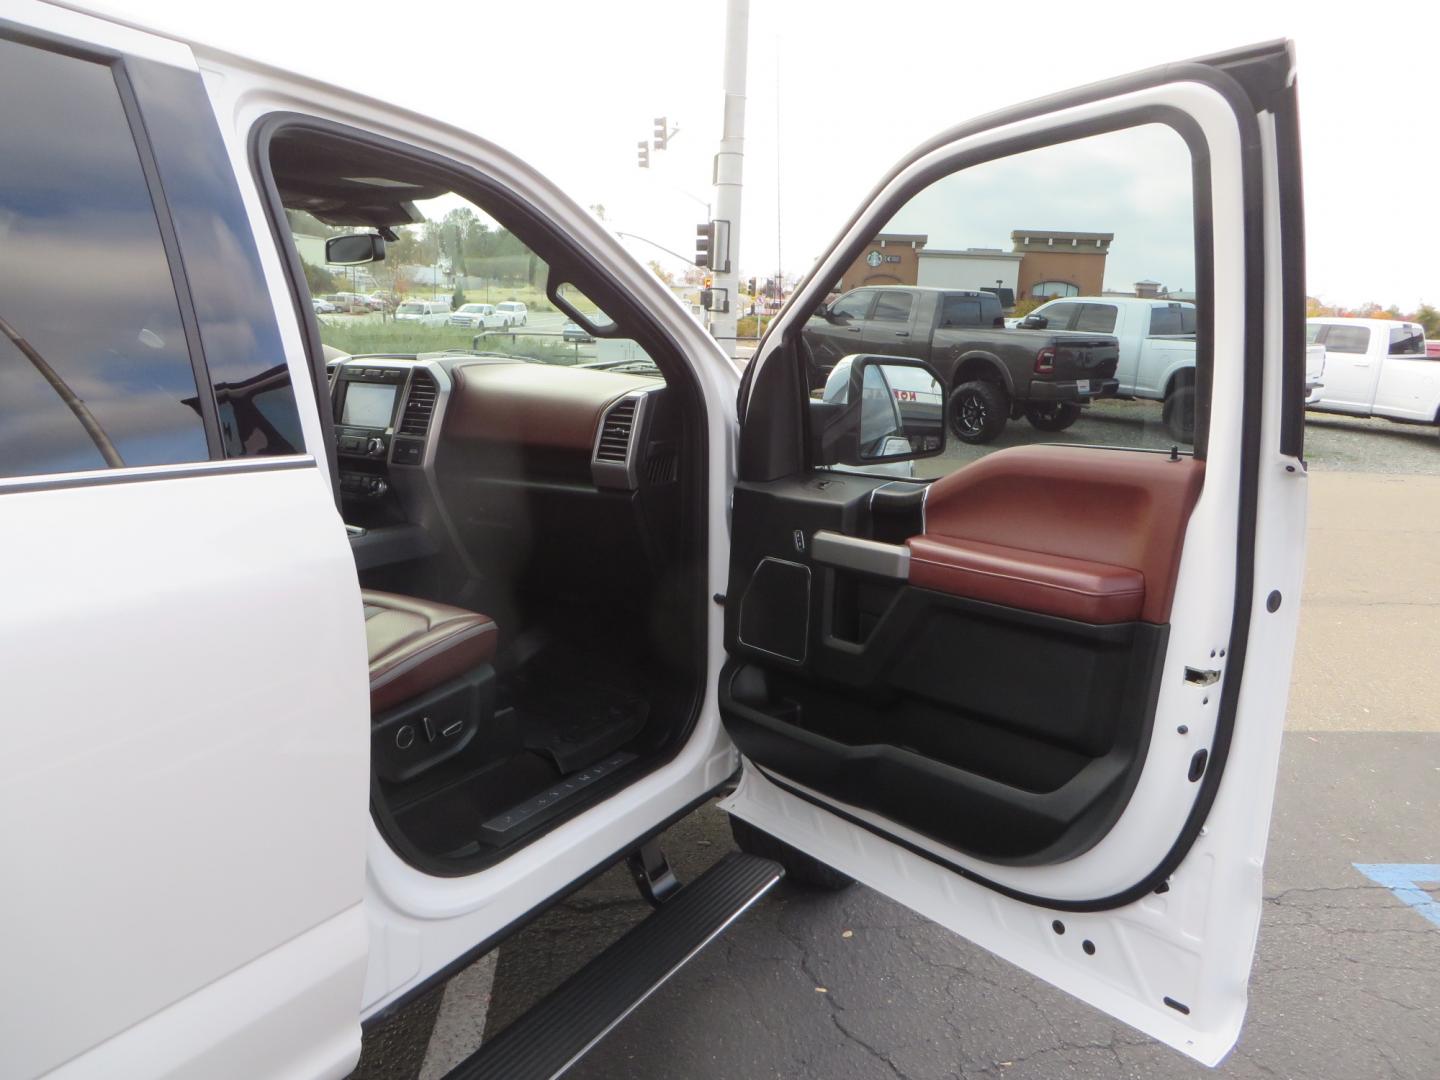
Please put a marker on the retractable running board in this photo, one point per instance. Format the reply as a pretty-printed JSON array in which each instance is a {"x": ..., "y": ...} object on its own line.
[{"x": 559, "y": 1030}]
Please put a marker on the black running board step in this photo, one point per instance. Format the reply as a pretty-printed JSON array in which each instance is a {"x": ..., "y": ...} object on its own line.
[{"x": 558, "y": 1031}]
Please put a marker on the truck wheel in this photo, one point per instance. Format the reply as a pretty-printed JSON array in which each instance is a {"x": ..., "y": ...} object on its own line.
[
  {"x": 978, "y": 412},
  {"x": 1055, "y": 416},
  {"x": 800, "y": 868},
  {"x": 1179, "y": 413}
]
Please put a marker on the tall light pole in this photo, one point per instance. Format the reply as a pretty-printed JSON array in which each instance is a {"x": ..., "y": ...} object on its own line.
[{"x": 729, "y": 162}]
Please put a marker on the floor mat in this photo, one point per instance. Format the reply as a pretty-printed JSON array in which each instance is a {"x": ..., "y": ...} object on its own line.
[{"x": 580, "y": 723}]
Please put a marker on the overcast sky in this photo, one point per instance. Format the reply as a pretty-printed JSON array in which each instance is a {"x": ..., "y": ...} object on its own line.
[{"x": 837, "y": 92}]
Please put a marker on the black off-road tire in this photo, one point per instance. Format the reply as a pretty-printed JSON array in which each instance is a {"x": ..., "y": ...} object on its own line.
[
  {"x": 1179, "y": 413},
  {"x": 978, "y": 412},
  {"x": 1052, "y": 416},
  {"x": 801, "y": 869}
]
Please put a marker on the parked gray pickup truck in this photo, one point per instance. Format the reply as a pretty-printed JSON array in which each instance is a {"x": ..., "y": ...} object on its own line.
[{"x": 991, "y": 374}]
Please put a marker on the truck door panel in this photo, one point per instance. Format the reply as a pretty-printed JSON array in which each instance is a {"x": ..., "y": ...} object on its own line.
[{"x": 994, "y": 696}]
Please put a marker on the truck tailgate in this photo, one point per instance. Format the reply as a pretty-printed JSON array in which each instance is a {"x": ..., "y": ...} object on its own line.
[{"x": 1083, "y": 357}]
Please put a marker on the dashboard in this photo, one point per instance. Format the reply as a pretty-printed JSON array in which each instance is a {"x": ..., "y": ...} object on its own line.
[{"x": 425, "y": 442}]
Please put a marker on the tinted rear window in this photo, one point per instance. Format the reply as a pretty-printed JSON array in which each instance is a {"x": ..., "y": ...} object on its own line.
[
  {"x": 1407, "y": 341},
  {"x": 1172, "y": 319},
  {"x": 1347, "y": 339},
  {"x": 1096, "y": 319},
  {"x": 84, "y": 282},
  {"x": 961, "y": 311}
]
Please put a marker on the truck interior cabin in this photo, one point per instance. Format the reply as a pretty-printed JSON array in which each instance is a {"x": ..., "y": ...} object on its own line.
[{"x": 535, "y": 631}]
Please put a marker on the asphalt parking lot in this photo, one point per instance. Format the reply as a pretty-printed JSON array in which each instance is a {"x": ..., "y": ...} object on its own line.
[{"x": 1346, "y": 982}]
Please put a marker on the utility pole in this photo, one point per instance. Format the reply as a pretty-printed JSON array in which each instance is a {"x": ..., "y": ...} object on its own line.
[{"x": 728, "y": 168}]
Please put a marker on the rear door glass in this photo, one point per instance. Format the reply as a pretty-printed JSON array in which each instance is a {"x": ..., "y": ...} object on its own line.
[
  {"x": 1347, "y": 339},
  {"x": 95, "y": 368},
  {"x": 893, "y": 307},
  {"x": 1096, "y": 319}
]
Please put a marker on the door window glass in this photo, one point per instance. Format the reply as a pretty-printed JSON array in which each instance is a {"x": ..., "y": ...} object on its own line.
[
  {"x": 1170, "y": 319},
  {"x": 1124, "y": 224},
  {"x": 1347, "y": 339},
  {"x": 1096, "y": 319},
  {"x": 854, "y": 306},
  {"x": 1407, "y": 341},
  {"x": 960, "y": 311},
  {"x": 894, "y": 306},
  {"x": 95, "y": 369},
  {"x": 1059, "y": 316}
]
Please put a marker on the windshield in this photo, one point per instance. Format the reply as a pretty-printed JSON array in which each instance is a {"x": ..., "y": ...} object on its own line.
[{"x": 445, "y": 254}]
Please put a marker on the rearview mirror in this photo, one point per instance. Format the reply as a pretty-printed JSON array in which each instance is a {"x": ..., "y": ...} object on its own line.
[{"x": 354, "y": 249}]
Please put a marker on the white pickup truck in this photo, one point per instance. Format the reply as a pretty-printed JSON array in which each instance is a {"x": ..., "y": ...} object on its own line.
[
  {"x": 1376, "y": 367},
  {"x": 270, "y": 777},
  {"x": 1157, "y": 349}
]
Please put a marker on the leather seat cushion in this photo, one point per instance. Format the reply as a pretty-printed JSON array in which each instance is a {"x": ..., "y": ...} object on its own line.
[{"x": 417, "y": 645}]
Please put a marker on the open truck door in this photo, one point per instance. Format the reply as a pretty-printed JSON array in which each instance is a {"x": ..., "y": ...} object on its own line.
[{"x": 1037, "y": 694}]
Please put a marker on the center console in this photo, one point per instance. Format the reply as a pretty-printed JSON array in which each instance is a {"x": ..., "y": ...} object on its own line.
[{"x": 383, "y": 413}]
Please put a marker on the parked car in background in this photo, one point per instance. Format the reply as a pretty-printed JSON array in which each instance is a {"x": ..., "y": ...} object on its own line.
[
  {"x": 323, "y": 307},
  {"x": 573, "y": 331},
  {"x": 1377, "y": 367},
  {"x": 1157, "y": 347},
  {"x": 991, "y": 374},
  {"x": 1314, "y": 372},
  {"x": 425, "y": 312},
  {"x": 514, "y": 312},
  {"x": 477, "y": 316},
  {"x": 357, "y": 303}
]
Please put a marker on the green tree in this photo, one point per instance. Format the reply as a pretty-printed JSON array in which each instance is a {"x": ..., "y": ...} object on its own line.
[
  {"x": 457, "y": 298},
  {"x": 1429, "y": 318},
  {"x": 319, "y": 280}
]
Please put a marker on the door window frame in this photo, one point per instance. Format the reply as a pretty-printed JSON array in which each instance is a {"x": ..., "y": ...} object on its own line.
[
  {"x": 1247, "y": 336},
  {"x": 117, "y": 62}
]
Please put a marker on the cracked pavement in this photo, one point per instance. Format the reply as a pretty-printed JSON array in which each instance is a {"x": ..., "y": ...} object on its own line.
[{"x": 1346, "y": 982}]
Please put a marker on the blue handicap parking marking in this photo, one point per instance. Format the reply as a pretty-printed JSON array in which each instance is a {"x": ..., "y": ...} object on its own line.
[{"x": 1407, "y": 881}]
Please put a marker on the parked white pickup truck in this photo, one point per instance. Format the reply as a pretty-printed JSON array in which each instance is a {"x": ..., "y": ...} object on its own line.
[
  {"x": 1157, "y": 349},
  {"x": 1376, "y": 367}
]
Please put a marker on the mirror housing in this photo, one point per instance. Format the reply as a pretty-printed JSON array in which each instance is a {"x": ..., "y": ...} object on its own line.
[
  {"x": 1034, "y": 322},
  {"x": 876, "y": 409},
  {"x": 354, "y": 249}
]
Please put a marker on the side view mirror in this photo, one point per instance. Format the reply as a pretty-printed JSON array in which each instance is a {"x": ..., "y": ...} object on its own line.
[
  {"x": 1034, "y": 322},
  {"x": 354, "y": 249},
  {"x": 875, "y": 409}
]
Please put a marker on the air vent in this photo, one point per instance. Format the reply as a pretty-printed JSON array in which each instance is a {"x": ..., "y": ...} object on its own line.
[
  {"x": 661, "y": 465},
  {"x": 614, "y": 443},
  {"x": 420, "y": 405}
]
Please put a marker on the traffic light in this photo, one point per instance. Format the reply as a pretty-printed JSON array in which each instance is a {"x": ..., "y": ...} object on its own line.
[
  {"x": 712, "y": 246},
  {"x": 644, "y": 154},
  {"x": 662, "y": 133},
  {"x": 704, "y": 244}
]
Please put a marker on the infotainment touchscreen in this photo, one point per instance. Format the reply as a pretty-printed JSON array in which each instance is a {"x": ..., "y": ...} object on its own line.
[{"x": 368, "y": 405}]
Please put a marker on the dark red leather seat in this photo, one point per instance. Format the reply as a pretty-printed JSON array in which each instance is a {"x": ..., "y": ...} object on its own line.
[{"x": 418, "y": 645}]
